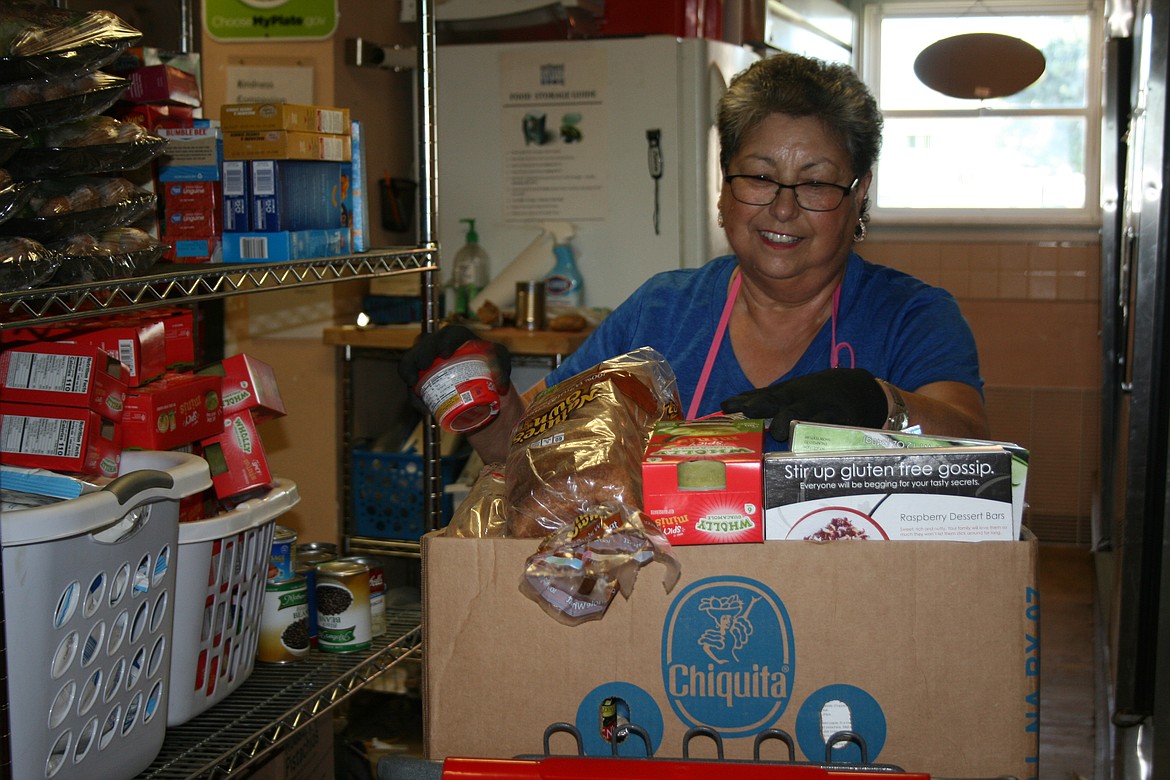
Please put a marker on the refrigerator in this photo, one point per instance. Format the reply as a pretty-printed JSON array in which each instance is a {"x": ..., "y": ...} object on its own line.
[
  {"x": 1132, "y": 536},
  {"x": 615, "y": 137}
]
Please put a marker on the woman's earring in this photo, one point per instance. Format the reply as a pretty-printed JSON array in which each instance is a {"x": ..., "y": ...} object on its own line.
[
  {"x": 860, "y": 231},
  {"x": 719, "y": 219}
]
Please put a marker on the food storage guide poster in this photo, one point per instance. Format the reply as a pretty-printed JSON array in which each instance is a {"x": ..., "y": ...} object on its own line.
[{"x": 554, "y": 136}]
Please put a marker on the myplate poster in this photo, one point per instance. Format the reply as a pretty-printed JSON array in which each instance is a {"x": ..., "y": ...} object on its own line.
[{"x": 268, "y": 20}]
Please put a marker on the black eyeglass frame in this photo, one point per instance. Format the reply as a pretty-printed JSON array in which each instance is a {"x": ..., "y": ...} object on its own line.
[{"x": 845, "y": 191}]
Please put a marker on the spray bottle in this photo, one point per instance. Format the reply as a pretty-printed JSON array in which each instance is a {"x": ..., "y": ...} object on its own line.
[
  {"x": 469, "y": 271},
  {"x": 566, "y": 288}
]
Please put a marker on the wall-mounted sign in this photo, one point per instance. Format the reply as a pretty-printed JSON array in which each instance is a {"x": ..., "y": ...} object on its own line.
[{"x": 229, "y": 21}]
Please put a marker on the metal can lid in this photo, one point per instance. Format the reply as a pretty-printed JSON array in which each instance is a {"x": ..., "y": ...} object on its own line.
[
  {"x": 317, "y": 547},
  {"x": 283, "y": 533},
  {"x": 365, "y": 560},
  {"x": 315, "y": 557},
  {"x": 278, "y": 586},
  {"x": 341, "y": 568}
]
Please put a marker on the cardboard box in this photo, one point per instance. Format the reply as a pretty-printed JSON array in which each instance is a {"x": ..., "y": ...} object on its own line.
[
  {"x": 59, "y": 438},
  {"x": 139, "y": 345},
  {"x": 960, "y": 494},
  {"x": 702, "y": 480},
  {"x": 822, "y": 437},
  {"x": 152, "y": 116},
  {"x": 285, "y": 145},
  {"x": 64, "y": 374},
  {"x": 285, "y": 116},
  {"x": 237, "y": 199},
  {"x": 295, "y": 195},
  {"x": 236, "y": 457},
  {"x": 162, "y": 84},
  {"x": 928, "y": 650},
  {"x": 192, "y": 153},
  {"x": 172, "y": 411},
  {"x": 358, "y": 199},
  {"x": 178, "y": 333},
  {"x": 285, "y": 245},
  {"x": 248, "y": 385}
]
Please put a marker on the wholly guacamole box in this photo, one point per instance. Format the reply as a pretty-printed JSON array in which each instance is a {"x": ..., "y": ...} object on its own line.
[{"x": 702, "y": 480}]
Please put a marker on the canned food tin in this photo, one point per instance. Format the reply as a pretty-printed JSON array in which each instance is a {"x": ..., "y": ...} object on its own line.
[
  {"x": 343, "y": 607},
  {"x": 327, "y": 550},
  {"x": 377, "y": 592},
  {"x": 309, "y": 572},
  {"x": 284, "y": 622},
  {"x": 284, "y": 552}
]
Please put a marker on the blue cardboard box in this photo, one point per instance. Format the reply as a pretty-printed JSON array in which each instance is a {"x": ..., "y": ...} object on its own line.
[
  {"x": 295, "y": 195},
  {"x": 285, "y": 245},
  {"x": 237, "y": 201}
]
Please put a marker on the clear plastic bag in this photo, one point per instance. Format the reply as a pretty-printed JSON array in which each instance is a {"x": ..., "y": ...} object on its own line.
[
  {"x": 483, "y": 514},
  {"x": 115, "y": 253},
  {"x": 25, "y": 263},
  {"x": 38, "y": 103},
  {"x": 59, "y": 208},
  {"x": 95, "y": 144},
  {"x": 38, "y": 40}
]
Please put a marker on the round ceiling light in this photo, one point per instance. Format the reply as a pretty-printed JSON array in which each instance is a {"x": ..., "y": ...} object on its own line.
[{"x": 979, "y": 66}]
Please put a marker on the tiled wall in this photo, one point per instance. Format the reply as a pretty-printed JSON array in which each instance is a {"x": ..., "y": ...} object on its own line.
[{"x": 1034, "y": 309}]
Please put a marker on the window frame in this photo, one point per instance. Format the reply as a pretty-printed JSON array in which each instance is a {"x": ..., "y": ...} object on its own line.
[{"x": 869, "y": 66}]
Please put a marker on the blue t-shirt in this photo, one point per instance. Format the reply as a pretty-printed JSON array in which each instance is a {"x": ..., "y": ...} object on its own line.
[{"x": 900, "y": 328}]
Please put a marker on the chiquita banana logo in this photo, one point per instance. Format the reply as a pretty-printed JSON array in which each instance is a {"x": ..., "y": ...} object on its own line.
[{"x": 728, "y": 656}]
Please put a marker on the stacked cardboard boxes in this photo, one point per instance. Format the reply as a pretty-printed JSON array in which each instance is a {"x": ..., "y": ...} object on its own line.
[{"x": 288, "y": 177}]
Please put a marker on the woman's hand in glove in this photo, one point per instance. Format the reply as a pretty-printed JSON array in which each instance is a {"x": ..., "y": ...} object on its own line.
[
  {"x": 840, "y": 396},
  {"x": 442, "y": 344}
]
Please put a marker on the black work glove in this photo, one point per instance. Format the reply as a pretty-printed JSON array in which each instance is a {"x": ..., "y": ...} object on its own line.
[
  {"x": 430, "y": 347},
  {"x": 840, "y": 396}
]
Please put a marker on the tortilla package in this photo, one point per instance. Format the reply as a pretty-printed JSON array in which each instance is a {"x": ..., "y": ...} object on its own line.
[
  {"x": 573, "y": 477},
  {"x": 580, "y": 443}
]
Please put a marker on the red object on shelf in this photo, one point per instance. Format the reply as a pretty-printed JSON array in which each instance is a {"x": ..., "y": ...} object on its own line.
[
  {"x": 572, "y": 768},
  {"x": 681, "y": 18}
]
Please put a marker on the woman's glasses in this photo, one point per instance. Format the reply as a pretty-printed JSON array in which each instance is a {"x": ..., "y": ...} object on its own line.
[{"x": 810, "y": 195}]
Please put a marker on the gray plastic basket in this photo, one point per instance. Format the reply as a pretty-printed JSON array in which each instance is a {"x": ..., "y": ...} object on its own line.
[{"x": 88, "y": 601}]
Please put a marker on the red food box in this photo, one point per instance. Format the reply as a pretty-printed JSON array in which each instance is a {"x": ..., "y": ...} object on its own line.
[
  {"x": 162, "y": 84},
  {"x": 702, "y": 480},
  {"x": 172, "y": 411},
  {"x": 248, "y": 385},
  {"x": 178, "y": 334},
  {"x": 59, "y": 438},
  {"x": 187, "y": 223},
  {"x": 191, "y": 195},
  {"x": 64, "y": 374},
  {"x": 139, "y": 345},
  {"x": 236, "y": 457}
]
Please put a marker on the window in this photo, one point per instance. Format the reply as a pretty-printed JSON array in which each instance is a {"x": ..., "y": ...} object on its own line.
[{"x": 1029, "y": 158}]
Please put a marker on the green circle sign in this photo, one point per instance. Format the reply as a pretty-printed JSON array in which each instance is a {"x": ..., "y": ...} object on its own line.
[{"x": 269, "y": 20}]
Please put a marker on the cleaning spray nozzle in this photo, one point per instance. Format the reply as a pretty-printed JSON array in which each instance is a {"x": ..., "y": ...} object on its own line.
[{"x": 472, "y": 236}]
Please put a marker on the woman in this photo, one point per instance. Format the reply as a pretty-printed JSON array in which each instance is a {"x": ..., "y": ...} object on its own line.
[{"x": 794, "y": 325}]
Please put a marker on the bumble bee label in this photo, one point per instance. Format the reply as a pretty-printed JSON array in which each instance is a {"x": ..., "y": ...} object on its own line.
[
  {"x": 343, "y": 607},
  {"x": 284, "y": 622}
]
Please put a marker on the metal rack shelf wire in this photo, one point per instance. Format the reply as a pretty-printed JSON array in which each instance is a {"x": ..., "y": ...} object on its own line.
[
  {"x": 170, "y": 283},
  {"x": 278, "y": 700}
]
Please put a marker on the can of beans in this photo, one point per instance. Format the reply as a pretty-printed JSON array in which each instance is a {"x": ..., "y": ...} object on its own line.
[
  {"x": 343, "y": 607},
  {"x": 284, "y": 621},
  {"x": 284, "y": 552},
  {"x": 309, "y": 557},
  {"x": 377, "y": 591}
]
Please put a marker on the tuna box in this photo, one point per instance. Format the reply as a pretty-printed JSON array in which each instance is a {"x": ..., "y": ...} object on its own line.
[
  {"x": 702, "y": 480},
  {"x": 961, "y": 494},
  {"x": 927, "y": 650}
]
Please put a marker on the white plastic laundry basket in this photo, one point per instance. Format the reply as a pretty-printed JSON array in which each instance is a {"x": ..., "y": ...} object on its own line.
[
  {"x": 88, "y": 591},
  {"x": 219, "y": 596}
]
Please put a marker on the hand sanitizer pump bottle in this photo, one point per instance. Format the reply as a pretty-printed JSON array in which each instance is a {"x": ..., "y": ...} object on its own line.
[{"x": 469, "y": 271}]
